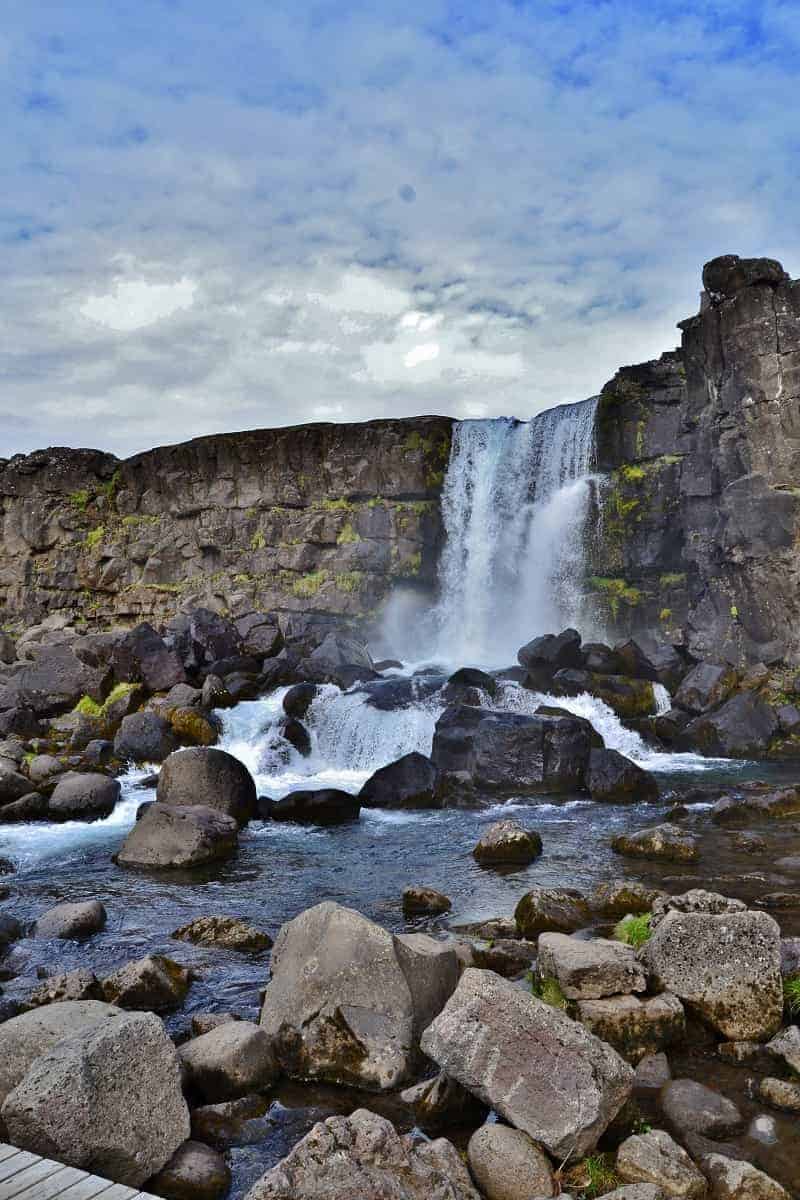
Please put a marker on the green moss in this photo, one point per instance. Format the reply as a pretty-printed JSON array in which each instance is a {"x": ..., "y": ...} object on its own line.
[
  {"x": 95, "y": 536},
  {"x": 633, "y": 930},
  {"x": 308, "y": 585},
  {"x": 88, "y": 707},
  {"x": 632, "y": 474},
  {"x": 169, "y": 589},
  {"x": 80, "y": 499},
  {"x": 375, "y": 502},
  {"x": 349, "y": 581},
  {"x": 340, "y": 505},
  {"x": 791, "y": 995},
  {"x": 434, "y": 479},
  {"x": 110, "y": 488},
  {"x": 549, "y": 992},
  {"x": 347, "y": 536},
  {"x": 119, "y": 692},
  {"x": 258, "y": 541},
  {"x": 593, "y": 1176},
  {"x": 415, "y": 441},
  {"x": 140, "y": 519},
  {"x": 665, "y": 614},
  {"x": 616, "y": 590},
  {"x": 250, "y": 513},
  {"x": 734, "y": 612},
  {"x": 673, "y": 579}
]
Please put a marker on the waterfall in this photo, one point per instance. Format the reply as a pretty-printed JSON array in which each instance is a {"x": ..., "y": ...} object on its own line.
[{"x": 515, "y": 505}]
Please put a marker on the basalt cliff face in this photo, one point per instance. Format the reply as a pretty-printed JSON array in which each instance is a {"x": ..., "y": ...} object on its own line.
[
  {"x": 698, "y": 534},
  {"x": 319, "y": 517}
]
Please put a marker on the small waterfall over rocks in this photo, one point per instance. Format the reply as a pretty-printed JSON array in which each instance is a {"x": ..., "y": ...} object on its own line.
[{"x": 515, "y": 506}]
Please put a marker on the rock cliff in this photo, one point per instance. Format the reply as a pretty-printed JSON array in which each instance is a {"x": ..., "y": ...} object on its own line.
[
  {"x": 698, "y": 533},
  {"x": 321, "y": 518}
]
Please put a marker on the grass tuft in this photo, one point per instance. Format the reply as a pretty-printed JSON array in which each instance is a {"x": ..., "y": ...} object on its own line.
[
  {"x": 549, "y": 992},
  {"x": 634, "y": 930},
  {"x": 791, "y": 995},
  {"x": 593, "y": 1176}
]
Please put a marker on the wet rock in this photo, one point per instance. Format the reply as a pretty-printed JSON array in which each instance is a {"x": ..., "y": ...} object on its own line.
[
  {"x": 552, "y": 651},
  {"x": 744, "y": 1054},
  {"x": 618, "y": 897},
  {"x": 690, "y": 1107},
  {"x": 507, "y": 843},
  {"x": 743, "y": 727},
  {"x": 330, "y": 661},
  {"x": 10, "y": 930},
  {"x": 732, "y": 1179},
  {"x": 501, "y": 751},
  {"x": 54, "y": 683},
  {"x": 168, "y": 836},
  {"x": 507, "y": 1165},
  {"x": 442, "y": 1103},
  {"x": 647, "y": 657},
  {"x": 153, "y": 984},
  {"x": 13, "y": 785},
  {"x": 781, "y": 1094},
  {"x": 786, "y": 1046},
  {"x": 108, "y": 1100},
  {"x": 635, "y": 1027},
  {"x": 629, "y": 698},
  {"x": 662, "y": 843},
  {"x": 347, "y": 1001},
  {"x": 410, "y": 782},
  {"x": 544, "y": 1073},
  {"x": 656, "y": 1158},
  {"x": 79, "y": 920},
  {"x": 224, "y": 1125},
  {"x": 214, "y": 693},
  {"x": 757, "y": 806},
  {"x": 421, "y": 901},
  {"x": 652, "y": 1072},
  {"x": 229, "y": 933},
  {"x": 790, "y": 956},
  {"x": 614, "y": 779},
  {"x": 600, "y": 659},
  {"x": 696, "y": 900},
  {"x": 296, "y": 734},
  {"x": 298, "y": 700},
  {"x": 28, "y": 1036},
  {"x": 195, "y": 1172},
  {"x": 192, "y": 727},
  {"x": 588, "y": 969},
  {"x": 466, "y": 686},
  {"x": 230, "y": 1061},
  {"x": 83, "y": 797},
  {"x": 726, "y": 969},
  {"x": 208, "y": 777},
  {"x": 509, "y": 957},
  {"x": 325, "y": 806},
  {"x": 544, "y": 910},
  {"x": 144, "y": 737},
  {"x": 706, "y": 685},
  {"x": 141, "y": 655},
  {"x": 81, "y": 984},
  {"x": 202, "y": 637},
  {"x": 362, "y": 1156}
]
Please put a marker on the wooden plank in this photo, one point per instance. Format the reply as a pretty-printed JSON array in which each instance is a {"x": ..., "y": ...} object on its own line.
[
  {"x": 17, "y": 1162},
  {"x": 33, "y": 1173},
  {"x": 7, "y": 1151},
  {"x": 88, "y": 1188},
  {"x": 26, "y": 1176},
  {"x": 53, "y": 1186},
  {"x": 118, "y": 1191}
]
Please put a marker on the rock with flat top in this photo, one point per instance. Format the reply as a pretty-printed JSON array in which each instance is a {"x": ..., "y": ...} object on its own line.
[
  {"x": 230, "y": 1061},
  {"x": 167, "y": 837},
  {"x": 542, "y": 910},
  {"x": 786, "y": 1046},
  {"x": 782, "y": 1094},
  {"x": 507, "y": 843},
  {"x": 635, "y": 1027},
  {"x": 154, "y": 983},
  {"x": 657, "y": 1158},
  {"x": 195, "y": 1172},
  {"x": 661, "y": 843},
  {"x": 691, "y": 1107},
  {"x": 589, "y": 968},
  {"x": 72, "y": 921},
  {"x": 733, "y": 1179}
]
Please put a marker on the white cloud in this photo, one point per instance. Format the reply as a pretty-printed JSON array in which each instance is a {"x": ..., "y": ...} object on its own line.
[
  {"x": 421, "y": 354},
  {"x": 135, "y": 303}
]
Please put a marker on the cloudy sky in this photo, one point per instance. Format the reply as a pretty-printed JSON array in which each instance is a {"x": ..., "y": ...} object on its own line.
[{"x": 219, "y": 216}]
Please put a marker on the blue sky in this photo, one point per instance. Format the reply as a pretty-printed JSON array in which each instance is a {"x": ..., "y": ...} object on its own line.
[{"x": 222, "y": 216}]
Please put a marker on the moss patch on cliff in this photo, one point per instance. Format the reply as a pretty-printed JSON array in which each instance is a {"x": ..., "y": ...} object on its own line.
[
  {"x": 615, "y": 592},
  {"x": 308, "y": 585}
]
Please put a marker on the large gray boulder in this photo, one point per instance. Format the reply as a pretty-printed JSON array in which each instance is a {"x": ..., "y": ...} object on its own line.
[
  {"x": 589, "y": 968},
  {"x": 733, "y": 1179},
  {"x": 502, "y": 751},
  {"x": 232, "y": 1060},
  {"x": 508, "y": 1165},
  {"x": 742, "y": 727},
  {"x": 661, "y": 843},
  {"x": 348, "y": 1001},
  {"x": 614, "y": 779},
  {"x": 656, "y": 1158},
  {"x": 726, "y": 969},
  {"x": 78, "y": 920},
  {"x": 534, "y": 1066},
  {"x": 144, "y": 737},
  {"x": 54, "y": 683},
  {"x": 544, "y": 909},
  {"x": 209, "y": 777},
  {"x": 507, "y": 843},
  {"x": 362, "y": 1157},
  {"x": 154, "y": 983},
  {"x": 635, "y": 1027},
  {"x": 25, "y": 1038},
  {"x": 410, "y": 782},
  {"x": 83, "y": 795},
  {"x": 142, "y": 655},
  {"x": 691, "y": 1107},
  {"x": 166, "y": 836},
  {"x": 706, "y": 685},
  {"x": 108, "y": 1100}
]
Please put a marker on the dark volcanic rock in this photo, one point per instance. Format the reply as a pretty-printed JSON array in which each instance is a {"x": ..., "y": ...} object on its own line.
[
  {"x": 742, "y": 728},
  {"x": 208, "y": 777},
  {"x": 327, "y": 806},
  {"x": 83, "y": 796},
  {"x": 706, "y": 685},
  {"x": 54, "y": 683},
  {"x": 298, "y": 699},
  {"x": 141, "y": 655},
  {"x": 187, "y": 836},
  {"x": 410, "y": 782},
  {"x": 552, "y": 651},
  {"x": 144, "y": 737},
  {"x": 614, "y": 779},
  {"x": 628, "y": 697}
]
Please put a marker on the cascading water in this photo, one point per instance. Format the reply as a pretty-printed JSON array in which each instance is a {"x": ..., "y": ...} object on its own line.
[{"x": 515, "y": 506}]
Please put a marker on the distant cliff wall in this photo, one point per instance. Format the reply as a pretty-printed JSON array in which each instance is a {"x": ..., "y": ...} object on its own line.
[{"x": 323, "y": 518}]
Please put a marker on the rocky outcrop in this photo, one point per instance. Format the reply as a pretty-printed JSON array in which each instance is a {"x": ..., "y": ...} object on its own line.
[{"x": 323, "y": 517}]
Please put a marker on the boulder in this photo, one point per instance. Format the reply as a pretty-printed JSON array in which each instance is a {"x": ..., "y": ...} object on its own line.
[
  {"x": 80, "y": 984},
  {"x": 629, "y": 698},
  {"x": 83, "y": 797},
  {"x": 331, "y": 660},
  {"x": 655, "y": 1158},
  {"x": 726, "y": 969},
  {"x": 442, "y": 1103},
  {"x": 542, "y": 910},
  {"x": 786, "y": 1046},
  {"x": 510, "y": 752},
  {"x": 635, "y": 1027},
  {"x": 262, "y": 638},
  {"x": 507, "y": 843},
  {"x": 662, "y": 843},
  {"x": 732, "y": 1179},
  {"x": 647, "y": 657},
  {"x": 166, "y": 836},
  {"x": 743, "y": 727},
  {"x": 214, "y": 694},
  {"x": 652, "y": 1072},
  {"x": 551, "y": 652},
  {"x": 212, "y": 778},
  {"x": 230, "y": 1061},
  {"x": 600, "y": 659},
  {"x": 613, "y": 779},
  {"x": 509, "y": 957},
  {"x": 782, "y": 1094},
  {"x": 362, "y": 1156},
  {"x": 466, "y": 686},
  {"x": 296, "y": 734},
  {"x": 757, "y": 807},
  {"x": 298, "y": 700},
  {"x": 728, "y": 274},
  {"x": 588, "y": 969},
  {"x": 347, "y": 1000},
  {"x": 201, "y": 637},
  {"x": 153, "y": 984},
  {"x": 424, "y": 901},
  {"x": 13, "y": 785},
  {"x": 142, "y": 656},
  {"x": 325, "y": 806},
  {"x": 32, "y": 807},
  {"x": 618, "y": 897},
  {"x": 410, "y": 782},
  {"x": 54, "y": 683},
  {"x": 229, "y": 933},
  {"x": 195, "y": 1172},
  {"x": 691, "y": 1107},
  {"x": 27, "y": 1037},
  {"x": 507, "y": 1165},
  {"x": 193, "y": 727},
  {"x": 10, "y": 930},
  {"x": 705, "y": 686},
  {"x": 696, "y": 900},
  {"x": 78, "y": 920},
  {"x": 107, "y": 1100},
  {"x": 543, "y": 1072},
  {"x": 144, "y": 737}
]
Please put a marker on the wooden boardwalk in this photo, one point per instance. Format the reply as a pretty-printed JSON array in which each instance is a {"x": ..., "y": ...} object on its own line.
[{"x": 25, "y": 1176}]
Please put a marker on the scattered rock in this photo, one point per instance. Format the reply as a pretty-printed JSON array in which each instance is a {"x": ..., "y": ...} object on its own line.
[
  {"x": 205, "y": 1022},
  {"x": 144, "y": 737},
  {"x": 193, "y": 727},
  {"x": 81, "y": 984},
  {"x": 108, "y": 1100},
  {"x": 83, "y": 796},
  {"x": 552, "y": 651},
  {"x": 229, "y": 933},
  {"x": 509, "y": 957},
  {"x": 544, "y": 1073},
  {"x": 298, "y": 700},
  {"x": 228, "y": 1062},
  {"x": 705, "y": 686},
  {"x": 662, "y": 843},
  {"x": 195, "y": 1172},
  {"x": 690, "y": 1107},
  {"x": 507, "y": 843},
  {"x": 25, "y": 1038},
  {"x": 780, "y": 1093},
  {"x": 67, "y": 920},
  {"x": 142, "y": 655},
  {"x": 655, "y": 1158},
  {"x": 166, "y": 836},
  {"x": 442, "y": 1103},
  {"x": 588, "y": 969},
  {"x": 757, "y": 806},
  {"x": 10, "y": 930},
  {"x": 618, "y": 897},
  {"x": 652, "y": 1072},
  {"x": 634, "y": 1027},
  {"x": 208, "y": 777},
  {"x": 323, "y": 806},
  {"x": 786, "y": 1046},
  {"x": 732, "y": 1179},
  {"x": 742, "y": 728},
  {"x": 418, "y": 901},
  {"x": 410, "y": 782},
  {"x": 296, "y": 734},
  {"x": 614, "y": 779},
  {"x": 507, "y": 1165},
  {"x": 696, "y": 900},
  {"x": 542, "y": 910},
  {"x": 154, "y": 983}
]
